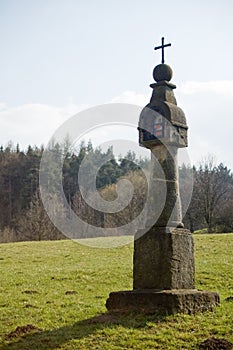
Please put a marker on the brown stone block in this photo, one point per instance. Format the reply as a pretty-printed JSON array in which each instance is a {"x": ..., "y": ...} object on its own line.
[
  {"x": 164, "y": 259},
  {"x": 162, "y": 301}
]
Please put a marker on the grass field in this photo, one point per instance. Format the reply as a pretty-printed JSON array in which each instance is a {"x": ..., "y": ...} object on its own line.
[{"x": 60, "y": 288}]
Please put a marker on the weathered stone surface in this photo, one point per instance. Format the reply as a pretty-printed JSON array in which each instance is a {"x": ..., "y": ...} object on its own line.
[
  {"x": 164, "y": 259},
  {"x": 163, "y": 101},
  {"x": 162, "y": 72},
  {"x": 167, "y": 158},
  {"x": 164, "y": 187},
  {"x": 162, "y": 301}
]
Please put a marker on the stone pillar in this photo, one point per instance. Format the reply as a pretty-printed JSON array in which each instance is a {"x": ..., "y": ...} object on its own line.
[{"x": 163, "y": 265}]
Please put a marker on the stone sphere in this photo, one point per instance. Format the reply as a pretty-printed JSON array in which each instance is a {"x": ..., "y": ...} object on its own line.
[{"x": 162, "y": 72}]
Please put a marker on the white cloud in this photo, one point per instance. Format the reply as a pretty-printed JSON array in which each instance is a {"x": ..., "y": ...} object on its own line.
[
  {"x": 3, "y": 106},
  {"x": 32, "y": 124},
  {"x": 209, "y": 111},
  {"x": 35, "y": 124},
  {"x": 220, "y": 87},
  {"x": 208, "y": 107},
  {"x": 131, "y": 97}
]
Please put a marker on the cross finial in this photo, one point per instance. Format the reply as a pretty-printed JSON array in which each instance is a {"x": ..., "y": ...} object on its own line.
[{"x": 162, "y": 47}]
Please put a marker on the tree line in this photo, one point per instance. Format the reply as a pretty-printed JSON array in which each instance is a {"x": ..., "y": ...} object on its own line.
[{"x": 22, "y": 215}]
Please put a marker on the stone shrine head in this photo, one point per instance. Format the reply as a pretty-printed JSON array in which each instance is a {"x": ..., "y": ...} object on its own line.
[{"x": 162, "y": 121}]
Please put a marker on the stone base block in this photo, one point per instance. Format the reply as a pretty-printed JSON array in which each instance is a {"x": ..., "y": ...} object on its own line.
[
  {"x": 164, "y": 259},
  {"x": 162, "y": 302}
]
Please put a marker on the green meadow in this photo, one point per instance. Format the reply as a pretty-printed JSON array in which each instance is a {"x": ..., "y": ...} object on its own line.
[{"x": 53, "y": 294}]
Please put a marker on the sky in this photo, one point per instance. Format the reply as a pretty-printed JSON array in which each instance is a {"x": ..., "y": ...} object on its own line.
[{"x": 59, "y": 57}]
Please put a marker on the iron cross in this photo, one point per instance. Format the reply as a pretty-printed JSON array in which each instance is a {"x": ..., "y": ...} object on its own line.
[{"x": 162, "y": 47}]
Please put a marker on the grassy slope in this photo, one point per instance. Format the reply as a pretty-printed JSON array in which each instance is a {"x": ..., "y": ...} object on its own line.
[{"x": 36, "y": 276}]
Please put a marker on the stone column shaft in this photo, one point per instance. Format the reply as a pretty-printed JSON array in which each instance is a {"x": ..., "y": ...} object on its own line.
[{"x": 164, "y": 184}]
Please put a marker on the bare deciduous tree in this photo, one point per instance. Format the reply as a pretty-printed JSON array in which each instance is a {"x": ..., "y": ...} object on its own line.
[
  {"x": 35, "y": 224},
  {"x": 212, "y": 188}
]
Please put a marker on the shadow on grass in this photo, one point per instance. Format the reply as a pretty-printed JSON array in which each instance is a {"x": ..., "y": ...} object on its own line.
[{"x": 52, "y": 339}]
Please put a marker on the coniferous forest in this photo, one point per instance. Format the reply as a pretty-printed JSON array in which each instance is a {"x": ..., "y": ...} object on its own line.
[{"x": 22, "y": 215}]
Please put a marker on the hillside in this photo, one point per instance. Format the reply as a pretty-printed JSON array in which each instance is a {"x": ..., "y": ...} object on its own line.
[{"x": 60, "y": 289}]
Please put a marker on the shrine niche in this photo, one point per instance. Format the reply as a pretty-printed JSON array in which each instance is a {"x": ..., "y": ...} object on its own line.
[{"x": 151, "y": 126}]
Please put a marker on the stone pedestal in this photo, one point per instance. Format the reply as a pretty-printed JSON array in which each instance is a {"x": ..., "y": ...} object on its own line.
[
  {"x": 163, "y": 276},
  {"x": 163, "y": 302}
]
